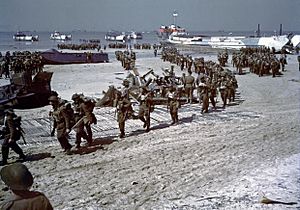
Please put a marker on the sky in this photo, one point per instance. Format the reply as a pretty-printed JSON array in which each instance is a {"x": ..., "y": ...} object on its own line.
[{"x": 148, "y": 15}]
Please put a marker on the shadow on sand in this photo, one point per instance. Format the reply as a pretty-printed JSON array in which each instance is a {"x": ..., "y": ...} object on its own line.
[{"x": 94, "y": 146}]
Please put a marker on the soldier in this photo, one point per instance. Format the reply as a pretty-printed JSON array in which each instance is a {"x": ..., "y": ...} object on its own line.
[
  {"x": 223, "y": 91},
  {"x": 189, "y": 86},
  {"x": 282, "y": 60},
  {"x": 11, "y": 134},
  {"x": 173, "y": 105},
  {"x": 123, "y": 108},
  {"x": 19, "y": 180},
  {"x": 78, "y": 116},
  {"x": 86, "y": 109},
  {"x": 61, "y": 122},
  {"x": 146, "y": 102}
]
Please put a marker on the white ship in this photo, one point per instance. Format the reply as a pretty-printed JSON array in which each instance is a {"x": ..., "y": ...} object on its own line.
[
  {"x": 20, "y": 36},
  {"x": 115, "y": 36},
  {"x": 58, "y": 36}
]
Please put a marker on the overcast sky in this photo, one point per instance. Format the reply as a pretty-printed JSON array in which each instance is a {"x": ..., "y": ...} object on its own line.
[{"x": 148, "y": 15}]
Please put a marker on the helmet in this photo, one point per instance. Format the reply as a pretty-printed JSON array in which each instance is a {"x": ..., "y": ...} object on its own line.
[
  {"x": 53, "y": 98},
  {"x": 16, "y": 176},
  {"x": 125, "y": 82},
  {"x": 75, "y": 96}
]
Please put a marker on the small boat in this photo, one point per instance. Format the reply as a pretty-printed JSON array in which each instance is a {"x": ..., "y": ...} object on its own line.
[
  {"x": 53, "y": 56},
  {"x": 61, "y": 37},
  {"x": 21, "y": 36},
  {"x": 115, "y": 36},
  {"x": 135, "y": 35}
]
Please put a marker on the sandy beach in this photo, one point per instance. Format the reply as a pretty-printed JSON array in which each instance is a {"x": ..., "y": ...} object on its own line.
[{"x": 225, "y": 159}]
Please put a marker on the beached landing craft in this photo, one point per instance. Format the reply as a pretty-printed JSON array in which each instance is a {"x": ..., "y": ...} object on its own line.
[
  {"x": 60, "y": 37},
  {"x": 229, "y": 42},
  {"x": 53, "y": 56},
  {"x": 21, "y": 36}
]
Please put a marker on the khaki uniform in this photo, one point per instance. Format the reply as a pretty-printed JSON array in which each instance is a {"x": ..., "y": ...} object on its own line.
[
  {"x": 145, "y": 109},
  {"x": 123, "y": 112},
  {"x": 62, "y": 122},
  {"x": 87, "y": 109},
  {"x": 10, "y": 139},
  {"x": 173, "y": 104},
  {"x": 189, "y": 87},
  {"x": 32, "y": 201}
]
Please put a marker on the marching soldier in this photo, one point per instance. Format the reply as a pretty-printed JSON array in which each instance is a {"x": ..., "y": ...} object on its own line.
[
  {"x": 189, "y": 86},
  {"x": 11, "y": 134},
  {"x": 145, "y": 100},
  {"x": 123, "y": 108},
  {"x": 173, "y": 105},
  {"x": 79, "y": 129},
  {"x": 86, "y": 109},
  {"x": 61, "y": 122}
]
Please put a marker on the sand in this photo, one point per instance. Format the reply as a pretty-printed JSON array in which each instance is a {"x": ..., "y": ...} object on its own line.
[{"x": 225, "y": 159}]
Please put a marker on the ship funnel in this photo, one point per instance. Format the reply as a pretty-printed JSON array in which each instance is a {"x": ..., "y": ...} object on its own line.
[{"x": 280, "y": 30}]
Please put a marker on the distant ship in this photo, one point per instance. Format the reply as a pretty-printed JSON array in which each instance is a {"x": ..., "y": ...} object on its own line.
[
  {"x": 115, "y": 36},
  {"x": 165, "y": 31},
  {"x": 61, "y": 37},
  {"x": 21, "y": 36},
  {"x": 135, "y": 35},
  {"x": 53, "y": 56}
]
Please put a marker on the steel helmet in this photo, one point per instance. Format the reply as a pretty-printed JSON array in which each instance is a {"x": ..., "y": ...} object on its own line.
[
  {"x": 53, "y": 98},
  {"x": 17, "y": 176}
]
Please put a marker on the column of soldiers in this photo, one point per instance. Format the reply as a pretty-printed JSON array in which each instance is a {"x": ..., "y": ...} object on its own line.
[
  {"x": 27, "y": 62},
  {"x": 127, "y": 58},
  {"x": 83, "y": 46},
  {"x": 261, "y": 61},
  {"x": 211, "y": 78}
]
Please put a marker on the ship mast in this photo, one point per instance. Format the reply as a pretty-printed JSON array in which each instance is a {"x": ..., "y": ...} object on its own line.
[{"x": 175, "y": 14}]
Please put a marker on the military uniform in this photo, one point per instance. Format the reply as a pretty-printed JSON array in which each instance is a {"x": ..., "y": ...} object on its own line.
[
  {"x": 87, "y": 108},
  {"x": 123, "y": 109},
  {"x": 10, "y": 137},
  {"x": 19, "y": 180},
  {"x": 145, "y": 108},
  {"x": 173, "y": 105},
  {"x": 189, "y": 86},
  {"x": 79, "y": 129},
  {"x": 62, "y": 122}
]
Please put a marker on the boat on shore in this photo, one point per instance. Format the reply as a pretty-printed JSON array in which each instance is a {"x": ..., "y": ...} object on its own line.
[
  {"x": 115, "y": 36},
  {"x": 53, "y": 56},
  {"x": 60, "y": 37},
  {"x": 24, "y": 92},
  {"x": 229, "y": 42},
  {"x": 21, "y": 36}
]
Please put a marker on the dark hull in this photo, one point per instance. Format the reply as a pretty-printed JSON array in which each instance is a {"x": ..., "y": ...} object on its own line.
[{"x": 56, "y": 57}]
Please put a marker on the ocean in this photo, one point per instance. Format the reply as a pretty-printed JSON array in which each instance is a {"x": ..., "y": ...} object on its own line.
[{"x": 8, "y": 44}]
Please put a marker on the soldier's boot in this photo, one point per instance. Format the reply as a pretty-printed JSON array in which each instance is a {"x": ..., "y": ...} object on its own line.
[
  {"x": 78, "y": 141},
  {"x": 144, "y": 121},
  {"x": 5, "y": 151},
  {"x": 148, "y": 125},
  {"x": 15, "y": 147},
  {"x": 122, "y": 134}
]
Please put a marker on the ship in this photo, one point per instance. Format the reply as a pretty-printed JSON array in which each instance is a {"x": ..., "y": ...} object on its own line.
[
  {"x": 60, "y": 37},
  {"x": 135, "y": 35},
  {"x": 54, "y": 56},
  {"x": 276, "y": 42},
  {"x": 115, "y": 36},
  {"x": 21, "y": 36},
  {"x": 165, "y": 31}
]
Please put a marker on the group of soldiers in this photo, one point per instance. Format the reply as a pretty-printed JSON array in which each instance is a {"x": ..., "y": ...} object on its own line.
[
  {"x": 77, "y": 116},
  {"x": 82, "y": 46},
  {"x": 17, "y": 62},
  {"x": 261, "y": 61}
]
